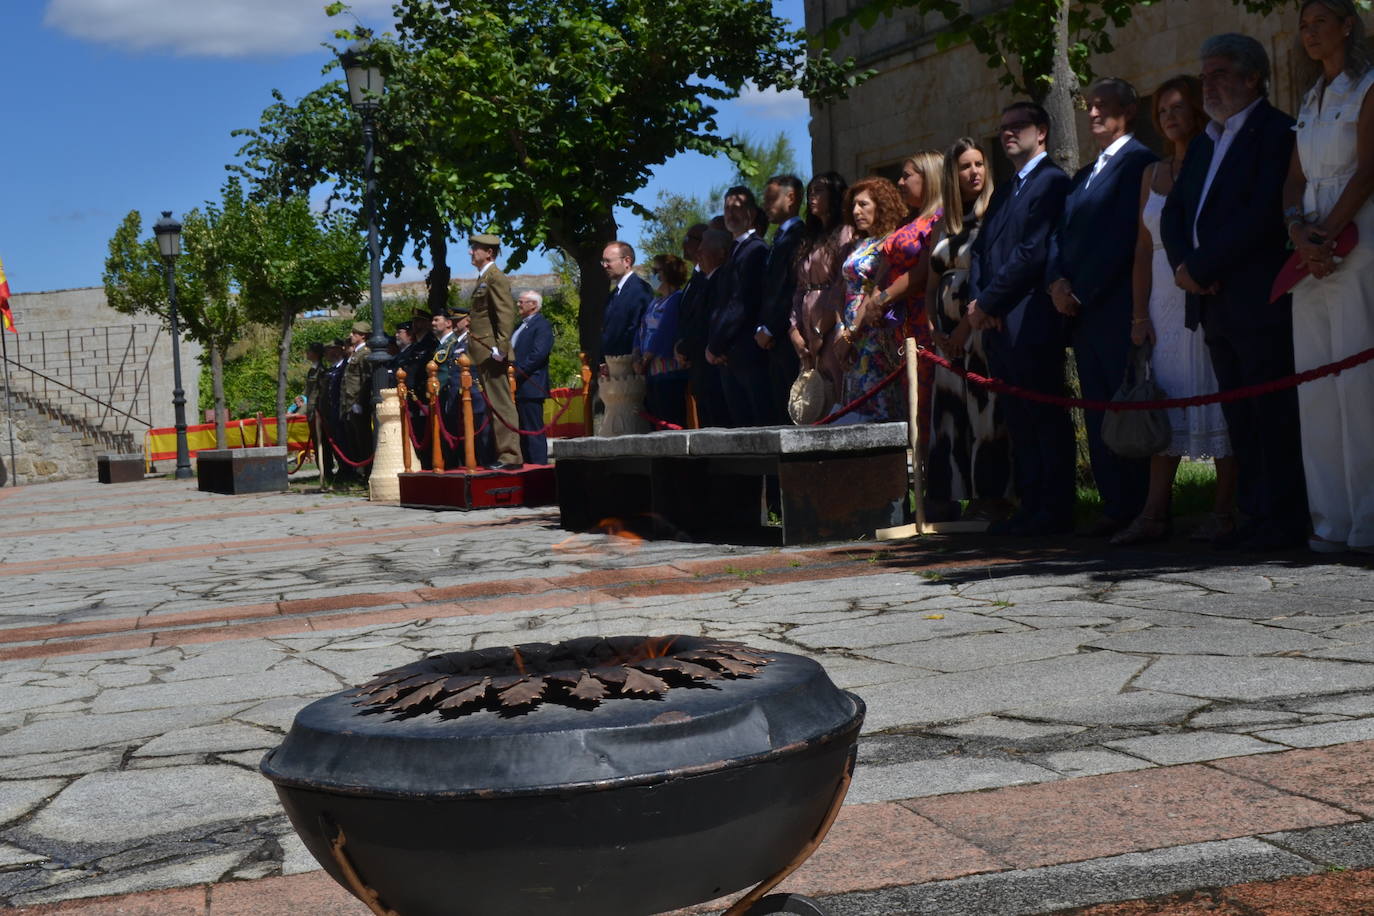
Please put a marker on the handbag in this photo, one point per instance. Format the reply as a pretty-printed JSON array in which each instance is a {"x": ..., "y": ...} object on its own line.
[
  {"x": 1137, "y": 433},
  {"x": 811, "y": 397}
]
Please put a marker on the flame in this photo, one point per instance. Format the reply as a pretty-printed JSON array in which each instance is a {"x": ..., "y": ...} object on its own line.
[
  {"x": 651, "y": 647},
  {"x": 614, "y": 528}
]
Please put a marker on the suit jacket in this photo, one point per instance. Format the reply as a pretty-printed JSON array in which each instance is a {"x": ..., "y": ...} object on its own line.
[
  {"x": 1008, "y": 271},
  {"x": 624, "y": 310},
  {"x": 314, "y": 376},
  {"x": 493, "y": 315},
  {"x": 1094, "y": 245},
  {"x": 780, "y": 282},
  {"x": 414, "y": 359},
  {"x": 1242, "y": 244},
  {"x": 333, "y": 389},
  {"x": 735, "y": 310},
  {"x": 532, "y": 348},
  {"x": 357, "y": 379},
  {"x": 694, "y": 318}
]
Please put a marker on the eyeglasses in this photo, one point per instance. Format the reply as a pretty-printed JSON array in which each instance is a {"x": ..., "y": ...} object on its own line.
[{"x": 1015, "y": 127}]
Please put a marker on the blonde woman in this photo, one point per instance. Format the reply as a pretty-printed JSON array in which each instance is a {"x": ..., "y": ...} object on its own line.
[{"x": 970, "y": 454}]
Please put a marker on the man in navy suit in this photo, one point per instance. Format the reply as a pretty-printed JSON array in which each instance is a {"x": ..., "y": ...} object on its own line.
[
  {"x": 1023, "y": 333},
  {"x": 1089, "y": 276},
  {"x": 532, "y": 343},
  {"x": 630, "y": 295},
  {"x": 699, "y": 302},
  {"x": 1224, "y": 234},
  {"x": 782, "y": 199},
  {"x": 735, "y": 316}
]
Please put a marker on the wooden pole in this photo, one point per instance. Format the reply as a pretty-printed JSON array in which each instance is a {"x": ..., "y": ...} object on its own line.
[
  {"x": 693, "y": 418},
  {"x": 510, "y": 380},
  {"x": 401, "y": 393},
  {"x": 261, "y": 436},
  {"x": 436, "y": 459},
  {"x": 469, "y": 445},
  {"x": 586, "y": 395},
  {"x": 913, "y": 426}
]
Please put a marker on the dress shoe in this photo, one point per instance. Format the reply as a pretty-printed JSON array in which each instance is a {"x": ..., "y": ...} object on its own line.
[
  {"x": 1104, "y": 527},
  {"x": 1318, "y": 544},
  {"x": 499, "y": 466},
  {"x": 1011, "y": 527},
  {"x": 1046, "y": 525},
  {"x": 1270, "y": 537},
  {"x": 1232, "y": 539}
]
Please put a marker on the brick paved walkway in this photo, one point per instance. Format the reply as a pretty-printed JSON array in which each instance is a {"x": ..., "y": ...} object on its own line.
[{"x": 1048, "y": 728}]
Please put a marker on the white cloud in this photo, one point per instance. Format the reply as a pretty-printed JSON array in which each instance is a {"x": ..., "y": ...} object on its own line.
[
  {"x": 772, "y": 103},
  {"x": 206, "y": 28}
]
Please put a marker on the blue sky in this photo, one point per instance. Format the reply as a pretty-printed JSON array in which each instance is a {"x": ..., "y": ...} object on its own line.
[{"x": 116, "y": 105}]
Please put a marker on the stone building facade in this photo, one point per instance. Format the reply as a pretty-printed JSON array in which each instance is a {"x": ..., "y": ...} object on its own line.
[{"x": 924, "y": 98}]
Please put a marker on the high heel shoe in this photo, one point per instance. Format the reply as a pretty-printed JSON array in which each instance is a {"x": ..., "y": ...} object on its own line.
[{"x": 1145, "y": 529}]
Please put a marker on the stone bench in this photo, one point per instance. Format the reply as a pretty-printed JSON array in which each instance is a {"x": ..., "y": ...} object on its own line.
[
  {"x": 825, "y": 482},
  {"x": 241, "y": 470},
  {"x": 114, "y": 467}
]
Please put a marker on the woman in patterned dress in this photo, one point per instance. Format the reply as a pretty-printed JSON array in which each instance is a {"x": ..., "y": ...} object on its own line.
[
  {"x": 819, "y": 299},
  {"x": 907, "y": 255},
  {"x": 970, "y": 454},
  {"x": 868, "y": 343}
]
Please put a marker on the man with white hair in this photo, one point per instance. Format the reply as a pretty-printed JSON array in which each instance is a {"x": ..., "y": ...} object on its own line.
[
  {"x": 1223, "y": 230},
  {"x": 532, "y": 342}
]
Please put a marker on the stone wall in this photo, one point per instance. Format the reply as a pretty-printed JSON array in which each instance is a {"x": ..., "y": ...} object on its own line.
[
  {"x": 924, "y": 98},
  {"x": 48, "y": 446}
]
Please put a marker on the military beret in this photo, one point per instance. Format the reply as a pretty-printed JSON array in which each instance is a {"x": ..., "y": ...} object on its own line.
[
  {"x": 458, "y": 311},
  {"x": 402, "y": 326},
  {"x": 361, "y": 327},
  {"x": 421, "y": 315},
  {"x": 486, "y": 239}
]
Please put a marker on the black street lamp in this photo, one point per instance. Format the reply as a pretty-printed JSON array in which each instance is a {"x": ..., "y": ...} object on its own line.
[
  {"x": 365, "y": 87},
  {"x": 168, "y": 232}
]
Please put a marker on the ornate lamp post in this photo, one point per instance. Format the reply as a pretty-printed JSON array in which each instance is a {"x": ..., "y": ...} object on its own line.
[
  {"x": 168, "y": 232},
  {"x": 365, "y": 87}
]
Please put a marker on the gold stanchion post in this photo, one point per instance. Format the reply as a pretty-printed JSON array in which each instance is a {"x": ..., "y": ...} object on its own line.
[
  {"x": 469, "y": 446},
  {"x": 436, "y": 459},
  {"x": 402, "y": 392},
  {"x": 586, "y": 394}
]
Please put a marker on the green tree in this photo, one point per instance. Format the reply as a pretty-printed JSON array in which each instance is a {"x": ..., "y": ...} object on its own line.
[
  {"x": 1041, "y": 48},
  {"x": 667, "y": 224},
  {"x": 547, "y": 114},
  {"x": 317, "y": 141},
  {"x": 286, "y": 260},
  {"x": 761, "y": 160},
  {"x": 135, "y": 283}
]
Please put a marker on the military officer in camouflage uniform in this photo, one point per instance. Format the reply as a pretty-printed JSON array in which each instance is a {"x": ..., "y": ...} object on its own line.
[
  {"x": 494, "y": 317},
  {"x": 356, "y": 396}
]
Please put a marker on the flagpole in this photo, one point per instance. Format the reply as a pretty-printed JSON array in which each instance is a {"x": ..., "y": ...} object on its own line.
[{"x": 9, "y": 414}]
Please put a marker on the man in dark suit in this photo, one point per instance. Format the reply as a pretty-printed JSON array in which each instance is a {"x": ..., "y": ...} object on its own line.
[
  {"x": 1089, "y": 275},
  {"x": 781, "y": 202},
  {"x": 532, "y": 342},
  {"x": 735, "y": 316},
  {"x": 630, "y": 295},
  {"x": 708, "y": 251},
  {"x": 1224, "y": 234},
  {"x": 1023, "y": 333}
]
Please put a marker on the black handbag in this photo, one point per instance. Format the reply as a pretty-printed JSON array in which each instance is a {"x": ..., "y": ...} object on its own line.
[{"x": 1137, "y": 433}]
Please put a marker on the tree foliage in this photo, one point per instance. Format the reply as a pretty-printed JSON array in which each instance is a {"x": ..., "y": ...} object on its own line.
[
  {"x": 135, "y": 282},
  {"x": 546, "y": 114}
]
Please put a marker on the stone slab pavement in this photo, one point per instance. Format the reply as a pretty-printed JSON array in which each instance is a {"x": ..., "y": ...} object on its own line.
[{"x": 1050, "y": 727}]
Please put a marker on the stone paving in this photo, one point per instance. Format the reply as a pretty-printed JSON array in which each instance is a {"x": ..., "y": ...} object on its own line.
[{"x": 1047, "y": 727}]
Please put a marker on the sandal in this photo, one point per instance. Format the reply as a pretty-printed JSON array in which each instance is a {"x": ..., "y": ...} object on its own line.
[
  {"x": 1146, "y": 529},
  {"x": 1221, "y": 523}
]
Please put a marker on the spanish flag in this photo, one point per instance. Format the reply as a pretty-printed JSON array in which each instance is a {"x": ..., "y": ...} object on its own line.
[{"x": 6, "y": 316}]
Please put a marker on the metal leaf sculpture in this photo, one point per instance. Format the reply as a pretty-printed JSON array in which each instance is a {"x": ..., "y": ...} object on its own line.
[{"x": 579, "y": 673}]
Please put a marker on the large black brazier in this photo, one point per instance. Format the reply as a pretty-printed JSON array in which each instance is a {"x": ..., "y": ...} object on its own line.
[{"x": 557, "y": 780}]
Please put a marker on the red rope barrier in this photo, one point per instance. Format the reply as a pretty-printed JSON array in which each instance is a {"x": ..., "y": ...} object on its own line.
[
  {"x": 542, "y": 431},
  {"x": 863, "y": 398},
  {"x": 344, "y": 458},
  {"x": 1220, "y": 397},
  {"x": 657, "y": 422}
]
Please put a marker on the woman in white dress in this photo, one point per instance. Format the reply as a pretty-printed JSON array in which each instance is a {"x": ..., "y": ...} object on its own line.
[
  {"x": 1328, "y": 187},
  {"x": 1182, "y": 364}
]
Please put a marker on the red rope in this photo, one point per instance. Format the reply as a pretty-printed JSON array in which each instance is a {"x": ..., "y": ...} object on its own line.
[
  {"x": 543, "y": 430},
  {"x": 658, "y": 423},
  {"x": 1220, "y": 397},
  {"x": 863, "y": 398},
  {"x": 344, "y": 458}
]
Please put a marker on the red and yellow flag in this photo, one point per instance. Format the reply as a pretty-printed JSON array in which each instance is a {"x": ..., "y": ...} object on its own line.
[{"x": 6, "y": 316}]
